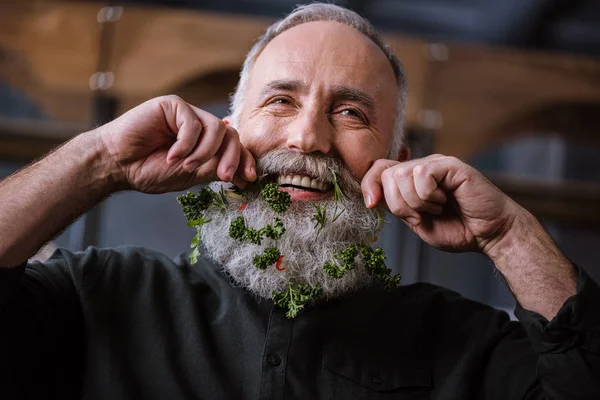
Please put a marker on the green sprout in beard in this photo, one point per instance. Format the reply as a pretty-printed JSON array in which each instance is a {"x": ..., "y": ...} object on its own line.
[
  {"x": 278, "y": 200},
  {"x": 375, "y": 266},
  {"x": 269, "y": 257},
  {"x": 342, "y": 261},
  {"x": 274, "y": 231},
  {"x": 239, "y": 231},
  {"x": 194, "y": 209},
  {"x": 296, "y": 297},
  {"x": 320, "y": 217}
]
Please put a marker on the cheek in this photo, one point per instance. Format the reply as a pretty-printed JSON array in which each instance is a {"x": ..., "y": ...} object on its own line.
[
  {"x": 360, "y": 154},
  {"x": 260, "y": 135}
]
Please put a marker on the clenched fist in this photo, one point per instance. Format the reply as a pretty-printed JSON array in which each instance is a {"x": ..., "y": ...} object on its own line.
[
  {"x": 166, "y": 144},
  {"x": 449, "y": 204}
]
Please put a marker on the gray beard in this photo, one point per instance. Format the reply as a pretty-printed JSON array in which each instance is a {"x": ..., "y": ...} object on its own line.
[{"x": 305, "y": 248}]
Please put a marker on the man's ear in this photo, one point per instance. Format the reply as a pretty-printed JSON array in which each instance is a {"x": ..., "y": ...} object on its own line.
[
  {"x": 404, "y": 154},
  {"x": 227, "y": 120}
]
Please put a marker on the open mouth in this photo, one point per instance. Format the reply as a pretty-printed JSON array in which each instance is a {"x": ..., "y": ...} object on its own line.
[{"x": 302, "y": 183}]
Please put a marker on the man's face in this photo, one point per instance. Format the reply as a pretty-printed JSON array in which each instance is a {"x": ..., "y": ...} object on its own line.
[
  {"x": 321, "y": 98},
  {"x": 321, "y": 87}
]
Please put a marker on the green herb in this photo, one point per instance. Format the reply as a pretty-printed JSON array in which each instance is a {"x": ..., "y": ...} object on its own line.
[
  {"x": 238, "y": 230},
  {"x": 338, "y": 194},
  {"x": 194, "y": 205},
  {"x": 296, "y": 297},
  {"x": 276, "y": 199},
  {"x": 320, "y": 217},
  {"x": 274, "y": 231},
  {"x": 342, "y": 261},
  {"x": 375, "y": 265},
  {"x": 253, "y": 235},
  {"x": 198, "y": 224},
  {"x": 219, "y": 199},
  {"x": 269, "y": 257}
]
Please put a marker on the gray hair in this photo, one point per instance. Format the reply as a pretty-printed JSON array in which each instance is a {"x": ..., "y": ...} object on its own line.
[{"x": 326, "y": 12}]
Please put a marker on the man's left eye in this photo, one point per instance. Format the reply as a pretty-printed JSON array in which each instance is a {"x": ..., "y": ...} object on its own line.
[{"x": 349, "y": 112}]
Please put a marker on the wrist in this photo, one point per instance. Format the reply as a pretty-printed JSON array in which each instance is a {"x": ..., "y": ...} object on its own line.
[
  {"x": 100, "y": 171},
  {"x": 520, "y": 228}
]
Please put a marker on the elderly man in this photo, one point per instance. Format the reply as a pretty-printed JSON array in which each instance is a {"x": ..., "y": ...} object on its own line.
[{"x": 320, "y": 91}]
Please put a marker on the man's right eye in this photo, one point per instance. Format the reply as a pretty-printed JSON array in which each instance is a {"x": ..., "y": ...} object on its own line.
[{"x": 280, "y": 101}]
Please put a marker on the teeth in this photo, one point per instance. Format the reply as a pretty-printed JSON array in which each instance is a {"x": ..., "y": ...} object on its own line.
[{"x": 304, "y": 181}]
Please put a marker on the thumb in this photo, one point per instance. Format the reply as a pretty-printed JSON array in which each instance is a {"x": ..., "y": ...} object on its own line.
[{"x": 371, "y": 184}]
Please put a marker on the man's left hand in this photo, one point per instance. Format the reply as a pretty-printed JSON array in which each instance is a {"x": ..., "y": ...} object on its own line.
[{"x": 449, "y": 204}]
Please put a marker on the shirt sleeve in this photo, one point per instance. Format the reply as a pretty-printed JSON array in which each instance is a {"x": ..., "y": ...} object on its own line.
[
  {"x": 568, "y": 346},
  {"x": 41, "y": 334}
]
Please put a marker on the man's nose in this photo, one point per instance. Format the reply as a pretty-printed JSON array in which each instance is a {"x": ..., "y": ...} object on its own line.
[{"x": 310, "y": 132}]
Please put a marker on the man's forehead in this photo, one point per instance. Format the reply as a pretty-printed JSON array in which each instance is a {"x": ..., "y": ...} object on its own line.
[{"x": 328, "y": 51}]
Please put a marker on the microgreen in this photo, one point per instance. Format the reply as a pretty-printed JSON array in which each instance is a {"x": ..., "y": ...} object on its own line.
[
  {"x": 320, "y": 217},
  {"x": 277, "y": 199},
  {"x": 239, "y": 231},
  {"x": 295, "y": 297},
  {"x": 375, "y": 266},
  {"x": 342, "y": 261},
  {"x": 338, "y": 193},
  {"x": 198, "y": 224},
  {"x": 274, "y": 231},
  {"x": 269, "y": 257},
  {"x": 194, "y": 208}
]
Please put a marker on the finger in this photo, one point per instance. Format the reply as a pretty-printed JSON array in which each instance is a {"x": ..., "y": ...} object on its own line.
[
  {"x": 371, "y": 183},
  {"x": 209, "y": 143},
  {"x": 449, "y": 173},
  {"x": 239, "y": 181},
  {"x": 229, "y": 155},
  {"x": 187, "y": 126},
  {"x": 247, "y": 167},
  {"x": 207, "y": 171},
  {"x": 406, "y": 184},
  {"x": 395, "y": 202},
  {"x": 427, "y": 187}
]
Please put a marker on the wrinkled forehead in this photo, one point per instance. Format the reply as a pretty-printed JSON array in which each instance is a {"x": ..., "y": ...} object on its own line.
[{"x": 327, "y": 54}]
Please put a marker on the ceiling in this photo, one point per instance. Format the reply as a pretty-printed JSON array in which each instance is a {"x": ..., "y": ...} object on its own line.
[{"x": 561, "y": 25}]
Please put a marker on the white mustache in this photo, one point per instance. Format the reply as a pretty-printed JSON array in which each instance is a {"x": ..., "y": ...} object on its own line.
[{"x": 286, "y": 162}]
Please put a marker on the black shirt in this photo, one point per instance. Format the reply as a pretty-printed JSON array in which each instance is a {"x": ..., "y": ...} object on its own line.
[{"x": 132, "y": 324}]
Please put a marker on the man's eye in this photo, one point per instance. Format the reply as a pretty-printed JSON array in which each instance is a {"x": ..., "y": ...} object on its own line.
[
  {"x": 280, "y": 100},
  {"x": 349, "y": 112}
]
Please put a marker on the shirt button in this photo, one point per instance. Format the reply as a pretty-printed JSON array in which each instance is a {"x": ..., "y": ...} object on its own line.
[
  {"x": 378, "y": 380},
  {"x": 273, "y": 360}
]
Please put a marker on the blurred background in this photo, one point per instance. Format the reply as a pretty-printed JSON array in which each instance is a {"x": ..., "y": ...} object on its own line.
[{"x": 512, "y": 87}]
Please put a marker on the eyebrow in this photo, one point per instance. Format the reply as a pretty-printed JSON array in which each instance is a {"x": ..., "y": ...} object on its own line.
[
  {"x": 353, "y": 94},
  {"x": 339, "y": 92},
  {"x": 281, "y": 85}
]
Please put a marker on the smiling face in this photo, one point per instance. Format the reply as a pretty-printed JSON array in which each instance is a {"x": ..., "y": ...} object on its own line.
[{"x": 320, "y": 88}]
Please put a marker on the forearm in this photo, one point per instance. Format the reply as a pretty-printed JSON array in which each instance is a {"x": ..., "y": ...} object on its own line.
[
  {"x": 41, "y": 200},
  {"x": 537, "y": 272}
]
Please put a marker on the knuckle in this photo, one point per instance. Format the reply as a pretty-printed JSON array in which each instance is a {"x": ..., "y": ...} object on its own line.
[
  {"x": 215, "y": 125},
  {"x": 453, "y": 160},
  {"x": 387, "y": 174},
  {"x": 401, "y": 173},
  {"x": 380, "y": 163},
  {"x": 172, "y": 97},
  {"x": 220, "y": 125},
  {"x": 396, "y": 209},
  {"x": 195, "y": 125},
  {"x": 420, "y": 170}
]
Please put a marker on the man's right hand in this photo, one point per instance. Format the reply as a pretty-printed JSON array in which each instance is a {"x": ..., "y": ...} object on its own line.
[{"x": 166, "y": 144}]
